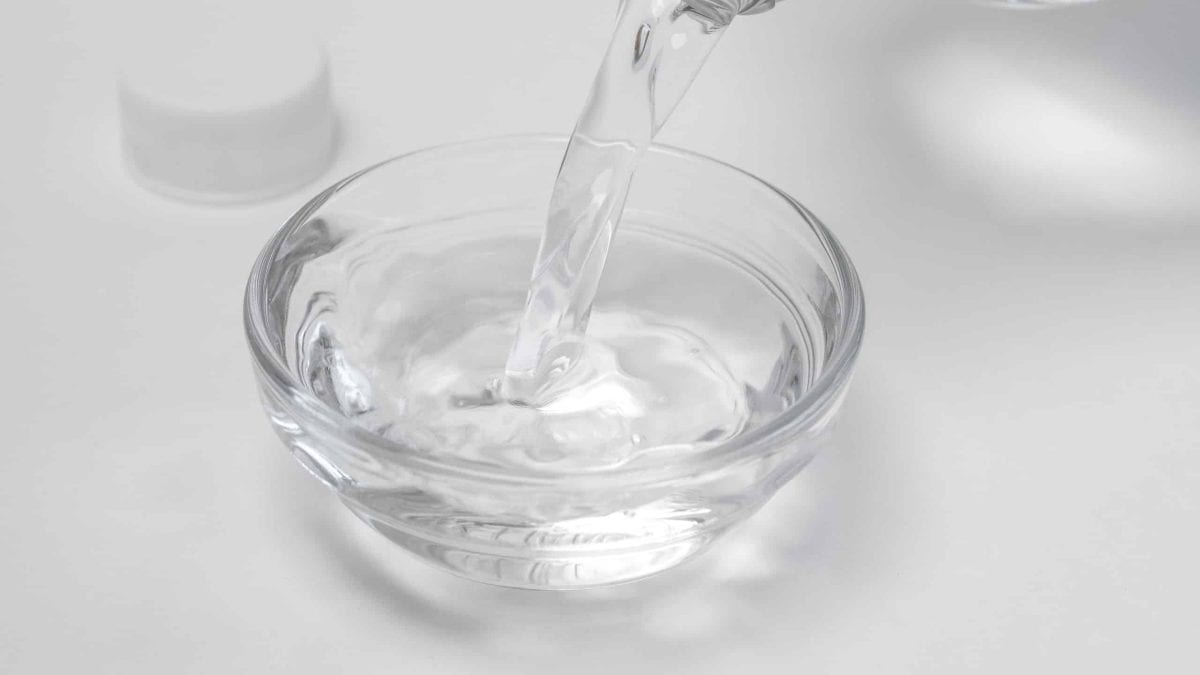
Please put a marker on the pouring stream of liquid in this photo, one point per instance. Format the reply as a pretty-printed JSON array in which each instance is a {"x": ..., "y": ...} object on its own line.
[{"x": 657, "y": 49}]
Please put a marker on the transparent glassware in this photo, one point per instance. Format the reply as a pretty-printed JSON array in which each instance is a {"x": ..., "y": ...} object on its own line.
[
  {"x": 1032, "y": 4},
  {"x": 360, "y": 273},
  {"x": 722, "y": 12}
]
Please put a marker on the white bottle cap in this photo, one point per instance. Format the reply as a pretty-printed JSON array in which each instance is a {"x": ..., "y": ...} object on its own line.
[{"x": 218, "y": 108}]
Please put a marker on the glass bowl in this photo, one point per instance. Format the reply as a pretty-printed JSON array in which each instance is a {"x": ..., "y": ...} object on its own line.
[{"x": 388, "y": 261}]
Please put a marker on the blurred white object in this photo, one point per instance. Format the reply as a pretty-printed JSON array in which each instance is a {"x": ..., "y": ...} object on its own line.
[
  {"x": 1041, "y": 152},
  {"x": 1086, "y": 118},
  {"x": 1032, "y": 4},
  {"x": 218, "y": 107}
]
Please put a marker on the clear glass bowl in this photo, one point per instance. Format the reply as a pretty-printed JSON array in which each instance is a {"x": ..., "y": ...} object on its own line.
[{"x": 355, "y": 276}]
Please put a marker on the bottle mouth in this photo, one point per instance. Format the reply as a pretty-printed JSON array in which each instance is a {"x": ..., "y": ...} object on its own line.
[{"x": 720, "y": 13}]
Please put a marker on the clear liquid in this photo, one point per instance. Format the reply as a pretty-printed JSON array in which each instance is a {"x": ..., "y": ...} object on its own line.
[
  {"x": 657, "y": 50},
  {"x": 405, "y": 333},
  {"x": 433, "y": 349}
]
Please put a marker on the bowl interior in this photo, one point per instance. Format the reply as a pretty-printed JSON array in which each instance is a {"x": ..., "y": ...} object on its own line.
[{"x": 412, "y": 255}]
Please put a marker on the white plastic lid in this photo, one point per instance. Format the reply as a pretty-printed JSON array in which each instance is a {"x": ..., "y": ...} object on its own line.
[{"x": 216, "y": 107}]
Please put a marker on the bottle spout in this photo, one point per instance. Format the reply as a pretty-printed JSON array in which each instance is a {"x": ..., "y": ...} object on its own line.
[{"x": 720, "y": 13}]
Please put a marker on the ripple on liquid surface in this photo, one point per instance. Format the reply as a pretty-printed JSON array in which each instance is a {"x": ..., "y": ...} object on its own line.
[{"x": 407, "y": 332}]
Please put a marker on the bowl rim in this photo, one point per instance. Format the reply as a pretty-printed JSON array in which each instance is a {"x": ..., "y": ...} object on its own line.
[{"x": 787, "y": 424}]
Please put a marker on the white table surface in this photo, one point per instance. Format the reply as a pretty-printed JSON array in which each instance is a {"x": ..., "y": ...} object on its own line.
[{"x": 1017, "y": 477}]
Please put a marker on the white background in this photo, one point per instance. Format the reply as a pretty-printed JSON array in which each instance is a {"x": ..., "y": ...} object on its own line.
[{"x": 1016, "y": 483}]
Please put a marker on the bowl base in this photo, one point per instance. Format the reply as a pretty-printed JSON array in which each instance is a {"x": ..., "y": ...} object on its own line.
[{"x": 543, "y": 572}]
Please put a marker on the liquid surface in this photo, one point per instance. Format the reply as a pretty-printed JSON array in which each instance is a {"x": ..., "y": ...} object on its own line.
[
  {"x": 686, "y": 349},
  {"x": 658, "y": 47}
]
